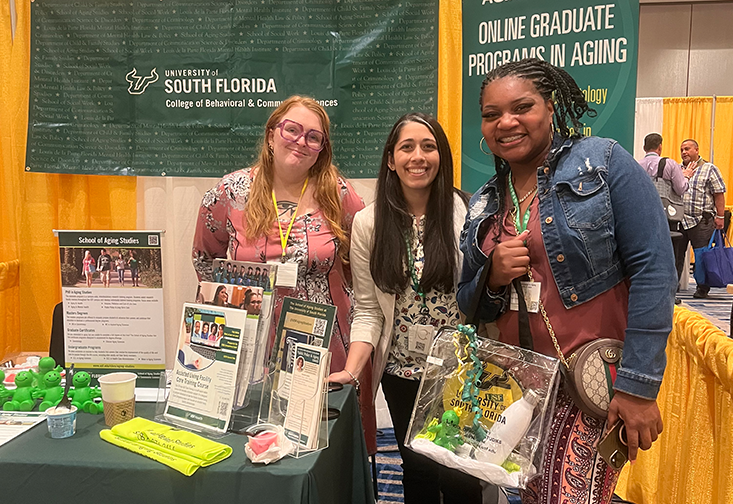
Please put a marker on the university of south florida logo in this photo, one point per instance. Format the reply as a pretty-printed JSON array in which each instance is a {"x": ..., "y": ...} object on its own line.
[{"x": 139, "y": 83}]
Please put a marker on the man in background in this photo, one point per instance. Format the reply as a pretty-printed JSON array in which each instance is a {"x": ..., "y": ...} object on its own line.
[
  {"x": 104, "y": 264},
  {"x": 704, "y": 205},
  {"x": 671, "y": 172}
]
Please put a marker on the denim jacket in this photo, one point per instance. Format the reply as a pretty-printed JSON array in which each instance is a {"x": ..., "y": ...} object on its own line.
[{"x": 602, "y": 221}]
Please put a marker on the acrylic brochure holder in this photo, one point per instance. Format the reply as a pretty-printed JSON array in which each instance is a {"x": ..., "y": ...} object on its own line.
[{"x": 307, "y": 429}]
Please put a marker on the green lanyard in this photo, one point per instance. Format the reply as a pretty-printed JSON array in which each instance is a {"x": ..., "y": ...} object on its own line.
[
  {"x": 413, "y": 274},
  {"x": 520, "y": 224}
]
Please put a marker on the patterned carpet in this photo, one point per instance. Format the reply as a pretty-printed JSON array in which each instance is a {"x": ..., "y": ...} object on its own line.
[{"x": 716, "y": 308}]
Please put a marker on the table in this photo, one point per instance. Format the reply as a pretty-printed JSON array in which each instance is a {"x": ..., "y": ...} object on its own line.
[{"x": 84, "y": 468}]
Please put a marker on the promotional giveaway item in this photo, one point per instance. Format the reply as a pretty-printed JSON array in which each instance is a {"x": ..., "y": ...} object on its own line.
[
  {"x": 118, "y": 397},
  {"x": 183, "y": 451},
  {"x": 267, "y": 443},
  {"x": 205, "y": 371},
  {"x": 484, "y": 407}
]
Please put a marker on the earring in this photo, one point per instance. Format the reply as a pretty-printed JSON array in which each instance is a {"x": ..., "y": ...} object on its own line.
[{"x": 480, "y": 146}]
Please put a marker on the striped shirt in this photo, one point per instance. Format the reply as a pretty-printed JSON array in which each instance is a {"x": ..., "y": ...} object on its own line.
[{"x": 706, "y": 181}]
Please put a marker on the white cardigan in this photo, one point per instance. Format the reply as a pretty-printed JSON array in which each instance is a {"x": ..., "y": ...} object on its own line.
[{"x": 374, "y": 309}]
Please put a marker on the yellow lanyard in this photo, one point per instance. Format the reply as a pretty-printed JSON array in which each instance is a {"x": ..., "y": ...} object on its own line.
[{"x": 284, "y": 237}]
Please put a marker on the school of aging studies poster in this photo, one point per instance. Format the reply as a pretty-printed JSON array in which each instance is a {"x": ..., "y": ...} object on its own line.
[
  {"x": 112, "y": 288},
  {"x": 595, "y": 42}
]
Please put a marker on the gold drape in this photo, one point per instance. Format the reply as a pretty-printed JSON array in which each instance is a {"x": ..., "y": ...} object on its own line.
[
  {"x": 723, "y": 142},
  {"x": 33, "y": 204},
  {"x": 686, "y": 118},
  {"x": 450, "y": 78},
  {"x": 692, "y": 461}
]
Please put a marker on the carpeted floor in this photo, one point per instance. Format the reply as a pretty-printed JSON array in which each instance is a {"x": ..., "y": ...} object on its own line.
[{"x": 716, "y": 308}]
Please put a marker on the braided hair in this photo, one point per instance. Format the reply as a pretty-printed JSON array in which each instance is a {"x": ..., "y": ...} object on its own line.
[{"x": 552, "y": 83}]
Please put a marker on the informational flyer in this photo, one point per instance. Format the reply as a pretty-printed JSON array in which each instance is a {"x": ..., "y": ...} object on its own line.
[
  {"x": 301, "y": 322},
  {"x": 205, "y": 370},
  {"x": 305, "y": 404},
  {"x": 248, "y": 286},
  {"x": 15, "y": 423},
  {"x": 112, "y": 289}
]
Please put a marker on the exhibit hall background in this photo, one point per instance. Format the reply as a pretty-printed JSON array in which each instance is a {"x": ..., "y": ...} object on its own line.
[{"x": 685, "y": 50}]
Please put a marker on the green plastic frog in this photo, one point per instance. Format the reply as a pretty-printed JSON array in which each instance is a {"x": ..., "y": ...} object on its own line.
[
  {"x": 22, "y": 397},
  {"x": 45, "y": 365},
  {"x": 5, "y": 394},
  {"x": 446, "y": 432},
  {"x": 51, "y": 392},
  {"x": 82, "y": 396}
]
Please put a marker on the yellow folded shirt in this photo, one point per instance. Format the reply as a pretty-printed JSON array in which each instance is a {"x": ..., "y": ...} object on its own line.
[{"x": 179, "y": 449}]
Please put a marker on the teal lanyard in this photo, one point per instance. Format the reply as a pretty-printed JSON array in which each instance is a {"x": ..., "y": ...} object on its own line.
[
  {"x": 521, "y": 225},
  {"x": 413, "y": 274}
]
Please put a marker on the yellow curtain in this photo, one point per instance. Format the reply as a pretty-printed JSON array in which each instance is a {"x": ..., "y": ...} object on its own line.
[
  {"x": 450, "y": 81},
  {"x": 33, "y": 204},
  {"x": 686, "y": 118},
  {"x": 723, "y": 143},
  {"x": 692, "y": 461}
]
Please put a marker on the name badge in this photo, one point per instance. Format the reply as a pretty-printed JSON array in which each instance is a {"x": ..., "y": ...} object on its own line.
[
  {"x": 531, "y": 297},
  {"x": 419, "y": 338},
  {"x": 287, "y": 274}
]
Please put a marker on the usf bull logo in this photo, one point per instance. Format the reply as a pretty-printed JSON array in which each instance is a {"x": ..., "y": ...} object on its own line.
[
  {"x": 490, "y": 380},
  {"x": 139, "y": 83}
]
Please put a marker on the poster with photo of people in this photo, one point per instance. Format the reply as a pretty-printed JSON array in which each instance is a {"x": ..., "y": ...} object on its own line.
[
  {"x": 112, "y": 290},
  {"x": 246, "y": 286}
]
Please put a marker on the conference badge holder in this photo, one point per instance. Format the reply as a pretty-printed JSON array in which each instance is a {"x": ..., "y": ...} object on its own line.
[{"x": 484, "y": 407}]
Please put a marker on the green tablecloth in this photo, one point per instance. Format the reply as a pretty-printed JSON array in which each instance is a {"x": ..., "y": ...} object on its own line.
[{"x": 86, "y": 469}]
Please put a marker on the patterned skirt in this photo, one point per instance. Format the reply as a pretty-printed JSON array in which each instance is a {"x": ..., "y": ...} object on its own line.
[{"x": 572, "y": 472}]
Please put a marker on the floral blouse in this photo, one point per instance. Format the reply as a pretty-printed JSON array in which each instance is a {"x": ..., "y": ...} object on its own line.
[
  {"x": 442, "y": 310},
  {"x": 322, "y": 277}
]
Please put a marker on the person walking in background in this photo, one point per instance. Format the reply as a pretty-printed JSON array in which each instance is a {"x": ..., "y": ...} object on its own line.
[
  {"x": 104, "y": 265},
  {"x": 121, "y": 264},
  {"x": 671, "y": 172},
  {"x": 704, "y": 206},
  {"x": 134, "y": 265},
  {"x": 651, "y": 161},
  {"x": 88, "y": 266}
]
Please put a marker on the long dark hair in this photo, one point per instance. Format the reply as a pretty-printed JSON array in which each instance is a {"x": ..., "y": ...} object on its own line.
[
  {"x": 552, "y": 83},
  {"x": 392, "y": 219}
]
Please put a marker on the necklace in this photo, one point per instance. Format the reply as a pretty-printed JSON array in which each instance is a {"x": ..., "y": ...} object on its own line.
[{"x": 531, "y": 191}]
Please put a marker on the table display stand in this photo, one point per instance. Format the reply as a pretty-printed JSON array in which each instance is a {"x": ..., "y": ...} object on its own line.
[{"x": 275, "y": 405}]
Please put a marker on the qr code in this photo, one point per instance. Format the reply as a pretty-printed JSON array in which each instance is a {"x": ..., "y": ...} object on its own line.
[
  {"x": 153, "y": 240},
  {"x": 319, "y": 327},
  {"x": 420, "y": 347},
  {"x": 222, "y": 408}
]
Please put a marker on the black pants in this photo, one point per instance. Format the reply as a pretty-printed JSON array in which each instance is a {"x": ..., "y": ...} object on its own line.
[
  {"x": 423, "y": 479},
  {"x": 698, "y": 236}
]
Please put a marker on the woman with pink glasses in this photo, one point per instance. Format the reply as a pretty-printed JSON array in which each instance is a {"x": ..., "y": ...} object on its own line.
[{"x": 292, "y": 206}]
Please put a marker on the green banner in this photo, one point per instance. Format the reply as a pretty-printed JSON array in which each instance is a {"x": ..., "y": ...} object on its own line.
[
  {"x": 184, "y": 87},
  {"x": 595, "y": 43}
]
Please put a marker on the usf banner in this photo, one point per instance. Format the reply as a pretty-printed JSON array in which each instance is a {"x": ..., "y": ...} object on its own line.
[
  {"x": 596, "y": 43},
  {"x": 183, "y": 87}
]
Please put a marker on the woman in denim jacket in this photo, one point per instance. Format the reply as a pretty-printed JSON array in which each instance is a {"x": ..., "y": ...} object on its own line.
[{"x": 589, "y": 228}]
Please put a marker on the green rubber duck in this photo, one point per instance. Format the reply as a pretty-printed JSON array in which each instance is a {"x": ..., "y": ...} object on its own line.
[
  {"x": 51, "y": 392},
  {"x": 22, "y": 397},
  {"x": 446, "y": 432},
  {"x": 82, "y": 396},
  {"x": 45, "y": 365}
]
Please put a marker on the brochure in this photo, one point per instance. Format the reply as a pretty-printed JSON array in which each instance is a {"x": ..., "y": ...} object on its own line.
[
  {"x": 15, "y": 423},
  {"x": 303, "y": 417},
  {"x": 204, "y": 374},
  {"x": 301, "y": 322}
]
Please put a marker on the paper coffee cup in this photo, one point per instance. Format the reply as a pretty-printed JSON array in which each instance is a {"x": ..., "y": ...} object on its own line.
[
  {"x": 118, "y": 412},
  {"x": 118, "y": 387},
  {"x": 61, "y": 421}
]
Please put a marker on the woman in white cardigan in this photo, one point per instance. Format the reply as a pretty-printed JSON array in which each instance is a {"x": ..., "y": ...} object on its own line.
[{"x": 405, "y": 264}]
